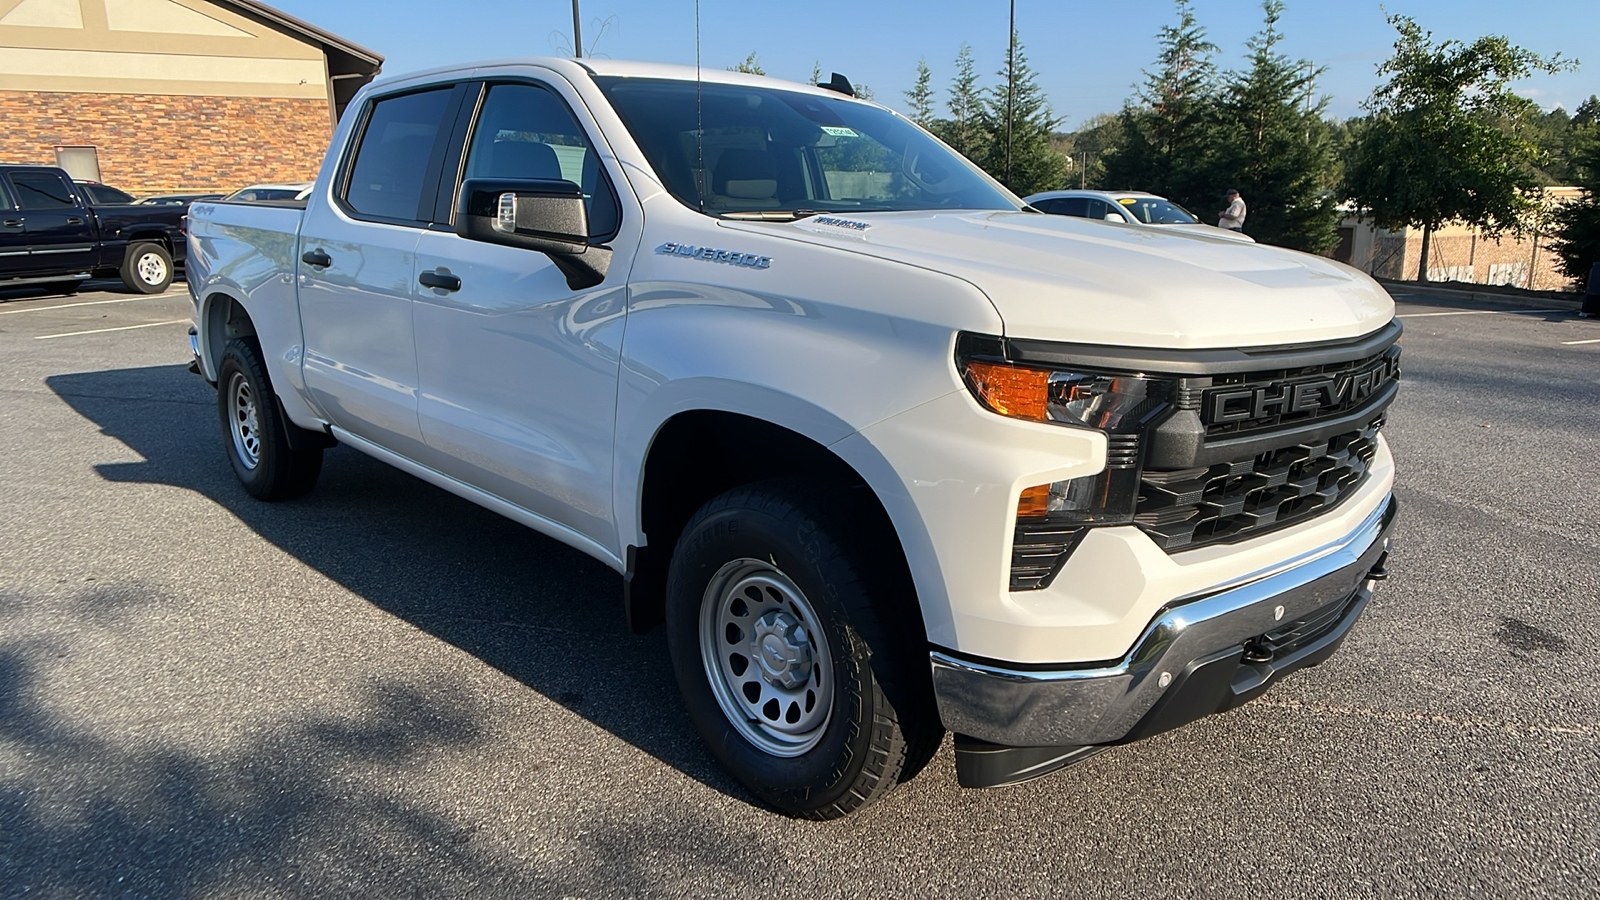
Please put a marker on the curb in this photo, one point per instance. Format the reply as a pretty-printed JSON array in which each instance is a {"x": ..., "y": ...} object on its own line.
[{"x": 1536, "y": 301}]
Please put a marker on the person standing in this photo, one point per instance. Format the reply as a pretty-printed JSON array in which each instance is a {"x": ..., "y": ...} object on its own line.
[{"x": 1232, "y": 218}]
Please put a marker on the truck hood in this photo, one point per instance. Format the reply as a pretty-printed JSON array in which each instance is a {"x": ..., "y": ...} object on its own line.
[{"x": 1066, "y": 279}]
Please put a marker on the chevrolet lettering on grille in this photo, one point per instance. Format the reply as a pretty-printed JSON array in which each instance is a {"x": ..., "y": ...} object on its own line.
[{"x": 1345, "y": 390}]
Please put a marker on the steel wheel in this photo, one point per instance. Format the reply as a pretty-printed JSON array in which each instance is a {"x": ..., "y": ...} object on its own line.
[
  {"x": 766, "y": 657},
  {"x": 152, "y": 268},
  {"x": 244, "y": 421}
]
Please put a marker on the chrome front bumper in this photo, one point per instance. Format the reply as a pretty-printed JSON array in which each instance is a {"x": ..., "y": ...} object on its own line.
[{"x": 1198, "y": 657}]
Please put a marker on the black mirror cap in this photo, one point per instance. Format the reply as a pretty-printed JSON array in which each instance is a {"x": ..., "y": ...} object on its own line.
[{"x": 548, "y": 216}]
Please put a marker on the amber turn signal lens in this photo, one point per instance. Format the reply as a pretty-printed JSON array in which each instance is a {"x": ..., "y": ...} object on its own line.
[
  {"x": 1011, "y": 390},
  {"x": 1034, "y": 503}
]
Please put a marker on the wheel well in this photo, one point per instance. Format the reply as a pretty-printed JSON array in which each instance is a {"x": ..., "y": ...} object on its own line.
[
  {"x": 153, "y": 237},
  {"x": 699, "y": 454},
  {"x": 226, "y": 319}
]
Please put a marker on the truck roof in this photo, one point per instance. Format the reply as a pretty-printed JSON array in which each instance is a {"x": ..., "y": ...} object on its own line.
[{"x": 579, "y": 69}]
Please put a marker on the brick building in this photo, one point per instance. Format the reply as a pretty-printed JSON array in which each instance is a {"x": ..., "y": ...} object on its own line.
[
  {"x": 173, "y": 95},
  {"x": 1457, "y": 252}
]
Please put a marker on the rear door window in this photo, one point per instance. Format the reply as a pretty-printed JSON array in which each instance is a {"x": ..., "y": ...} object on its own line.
[
  {"x": 107, "y": 196},
  {"x": 391, "y": 164},
  {"x": 42, "y": 190},
  {"x": 1072, "y": 206}
]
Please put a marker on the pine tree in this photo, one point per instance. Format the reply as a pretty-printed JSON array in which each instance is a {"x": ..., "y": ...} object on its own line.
[
  {"x": 920, "y": 97},
  {"x": 1588, "y": 112},
  {"x": 964, "y": 131},
  {"x": 1021, "y": 156},
  {"x": 1275, "y": 148},
  {"x": 1577, "y": 224},
  {"x": 816, "y": 72},
  {"x": 1170, "y": 134}
]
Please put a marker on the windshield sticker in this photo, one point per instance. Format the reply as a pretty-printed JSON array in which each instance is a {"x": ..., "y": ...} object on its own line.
[
  {"x": 840, "y": 223},
  {"x": 839, "y": 131},
  {"x": 711, "y": 254},
  {"x": 1128, "y": 201}
]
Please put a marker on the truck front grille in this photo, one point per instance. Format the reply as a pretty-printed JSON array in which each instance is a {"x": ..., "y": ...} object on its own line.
[
  {"x": 1254, "y": 402},
  {"x": 1234, "y": 501}
]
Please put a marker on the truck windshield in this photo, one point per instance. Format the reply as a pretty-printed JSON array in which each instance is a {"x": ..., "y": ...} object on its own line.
[{"x": 758, "y": 152}]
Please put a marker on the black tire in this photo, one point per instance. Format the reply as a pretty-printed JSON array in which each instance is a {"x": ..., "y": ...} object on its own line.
[
  {"x": 756, "y": 546},
  {"x": 253, "y": 431},
  {"x": 147, "y": 268}
]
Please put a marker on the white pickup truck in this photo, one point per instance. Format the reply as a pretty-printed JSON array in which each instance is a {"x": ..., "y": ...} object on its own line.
[{"x": 888, "y": 452}]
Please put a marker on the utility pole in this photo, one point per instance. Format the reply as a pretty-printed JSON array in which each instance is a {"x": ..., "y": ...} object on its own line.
[
  {"x": 577, "y": 33},
  {"x": 1011, "y": 84}
]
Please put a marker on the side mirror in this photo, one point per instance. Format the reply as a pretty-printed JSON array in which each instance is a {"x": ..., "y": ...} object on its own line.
[
  {"x": 1113, "y": 217},
  {"x": 545, "y": 216}
]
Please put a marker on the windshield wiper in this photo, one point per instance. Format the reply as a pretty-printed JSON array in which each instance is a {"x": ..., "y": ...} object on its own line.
[{"x": 772, "y": 215}]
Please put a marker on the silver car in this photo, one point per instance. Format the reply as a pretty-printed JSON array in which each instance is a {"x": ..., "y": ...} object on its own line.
[{"x": 1128, "y": 207}]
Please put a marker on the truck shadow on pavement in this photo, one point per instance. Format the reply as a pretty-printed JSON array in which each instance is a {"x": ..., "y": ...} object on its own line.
[{"x": 536, "y": 610}]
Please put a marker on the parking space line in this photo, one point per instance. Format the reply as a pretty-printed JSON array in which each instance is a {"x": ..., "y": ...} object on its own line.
[
  {"x": 46, "y": 337},
  {"x": 12, "y": 312},
  {"x": 1482, "y": 312},
  {"x": 1590, "y": 341}
]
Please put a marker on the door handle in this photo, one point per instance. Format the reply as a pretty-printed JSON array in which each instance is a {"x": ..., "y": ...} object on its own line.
[
  {"x": 444, "y": 281},
  {"x": 12, "y": 223},
  {"x": 74, "y": 220},
  {"x": 317, "y": 257}
]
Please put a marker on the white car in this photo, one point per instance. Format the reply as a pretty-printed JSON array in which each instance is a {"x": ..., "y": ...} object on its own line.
[
  {"x": 887, "y": 453},
  {"x": 1131, "y": 208},
  {"x": 275, "y": 192}
]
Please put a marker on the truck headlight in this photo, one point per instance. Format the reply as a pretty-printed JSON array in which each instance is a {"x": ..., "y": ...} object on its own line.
[
  {"x": 1107, "y": 402},
  {"x": 1122, "y": 405}
]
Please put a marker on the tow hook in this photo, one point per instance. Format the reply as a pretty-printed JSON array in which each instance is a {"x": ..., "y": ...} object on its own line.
[
  {"x": 1256, "y": 653},
  {"x": 1380, "y": 569}
]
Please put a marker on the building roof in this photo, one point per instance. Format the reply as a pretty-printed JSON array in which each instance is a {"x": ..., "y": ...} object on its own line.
[{"x": 327, "y": 39}]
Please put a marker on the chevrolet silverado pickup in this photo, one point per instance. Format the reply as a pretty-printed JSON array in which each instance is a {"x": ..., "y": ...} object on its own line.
[
  {"x": 52, "y": 233},
  {"x": 888, "y": 453}
]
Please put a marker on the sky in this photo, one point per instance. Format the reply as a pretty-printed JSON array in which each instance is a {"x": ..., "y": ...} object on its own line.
[{"x": 1089, "y": 57}]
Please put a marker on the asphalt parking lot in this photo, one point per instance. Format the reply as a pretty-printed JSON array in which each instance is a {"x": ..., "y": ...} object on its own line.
[{"x": 383, "y": 691}]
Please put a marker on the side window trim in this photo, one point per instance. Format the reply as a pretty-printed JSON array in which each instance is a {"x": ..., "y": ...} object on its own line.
[
  {"x": 444, "y": 205},
  {"x": 352, "y": 149},
  {"x": 489, "y": 84}
]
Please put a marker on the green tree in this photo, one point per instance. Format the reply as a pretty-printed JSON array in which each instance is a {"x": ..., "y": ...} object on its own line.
[
  {"x": 1551, "y": 132},
  {"x": 816, "y": 72},
  {"x": 1445, "y": 141},
  {"x": 750, "y": 66},
  {"x": 1087, "y": 147},
  {"x": 964, "y": 130},
  {"x": 1588, "y": 112},
  {"x": 1019, "y": 121},
  {"x": 1577, "y": 224},
  {"x": 920, "y": 97},
  {"x": 1170, "y": 133},
  {"x": 1275, "y": 147}
]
